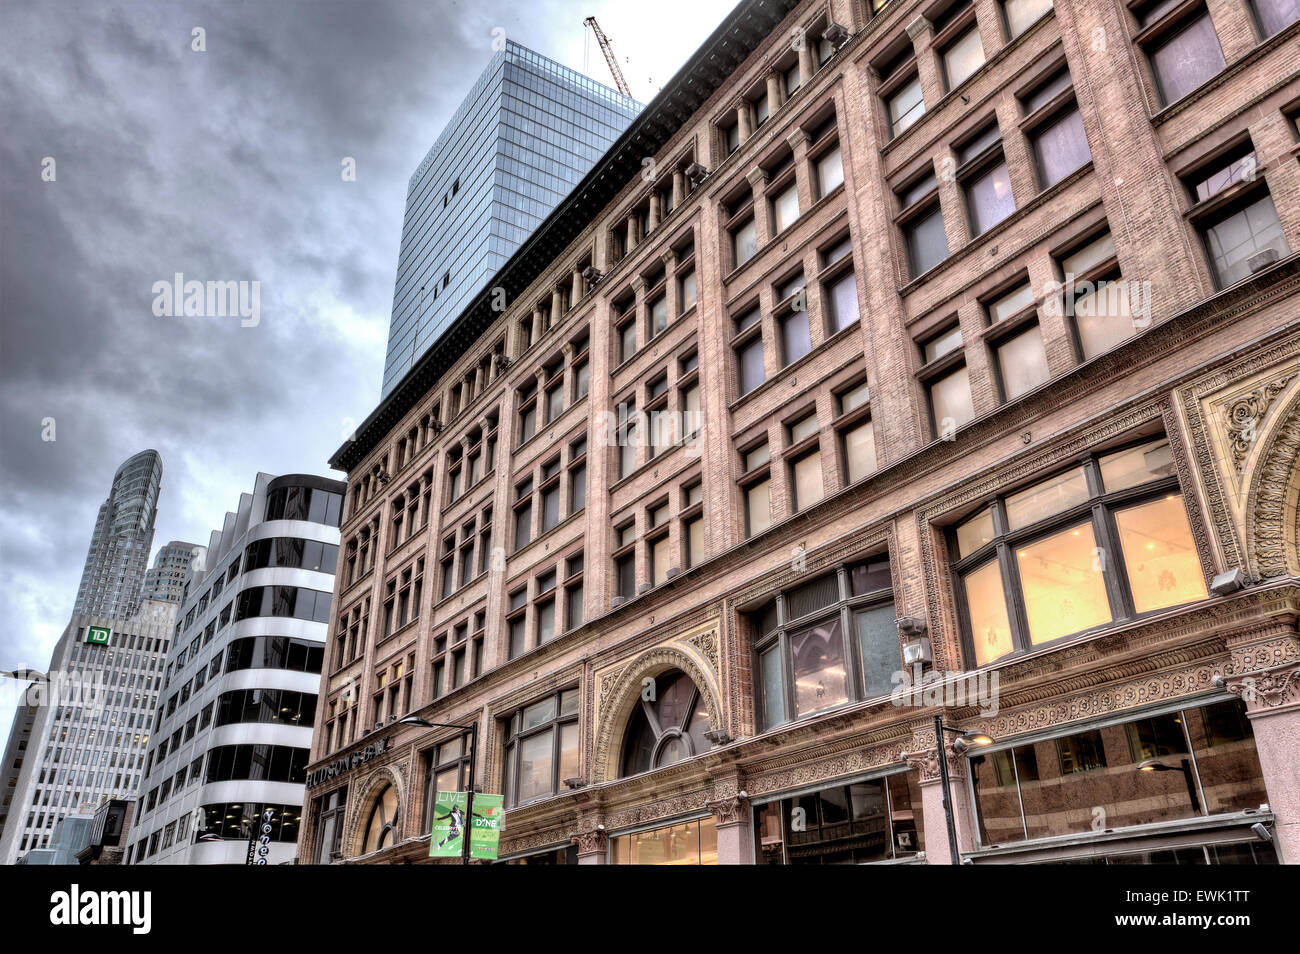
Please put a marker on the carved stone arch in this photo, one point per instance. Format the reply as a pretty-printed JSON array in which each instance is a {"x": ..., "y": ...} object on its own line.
[
  {"x": 359, "y": 807},
  {"x": 623, "y": 697},
  {"x": 1273, "y": 499}
]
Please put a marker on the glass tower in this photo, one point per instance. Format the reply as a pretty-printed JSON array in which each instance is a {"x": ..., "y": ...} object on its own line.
[
  {"x": 113, "y": 578},
  {"x": 528, "y": 131}
]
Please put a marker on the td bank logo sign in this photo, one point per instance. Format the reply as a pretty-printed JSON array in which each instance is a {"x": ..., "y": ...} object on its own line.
[
  {"x": 98, "y": 635},
  {"x": 78, "y": 908}
]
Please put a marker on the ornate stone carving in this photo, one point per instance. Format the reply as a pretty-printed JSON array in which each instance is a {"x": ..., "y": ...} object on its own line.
[
  {"x": 728, "y": 811},
  {"x": 593, "y": 842},
  {"x": 1271, "y": 690},
  {"x": 1273, "y": 520},
  {"x": 1246, "y": 412},
  {"x": 707, "y": 644}
]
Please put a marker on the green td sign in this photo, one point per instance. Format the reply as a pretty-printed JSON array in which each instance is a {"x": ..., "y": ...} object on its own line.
[{"x": 99, "y": 635}]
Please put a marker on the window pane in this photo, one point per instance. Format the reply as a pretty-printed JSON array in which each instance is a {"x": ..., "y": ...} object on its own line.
[
  {"x": 758, "y": 507},
  {"x": 906, "y": 106},
  {"x": 844, "y": 302},
  {"x": 545, "y": 622},
  {"x": 569, "y": 767},
  {"x": 860, "y": 451},
  {"x": 745, "y": 243},
  {"x": 695, "y": 542},
  {"x": 807, "y": 481},
  {"x": 989, "y": 198},
  {"x": 1137, "y": 465},
  {"x": 878, "y": 643},
  {"x": 1103, "y": 316},
  {"x": 1275, "y": 14},
  {"x": 974, "y": 533},
  {"x": 659, "y": 560},
  {"x": 773, "y": 689},
  {"x": 785, "y": 208},
  {"x": 1235, "y": 239},
  {"x": 1064, "y": 589},
  {"x": 539, "y": 713},
  {"x": 803, "y": 428},
  {"x": 987, "y": 605},
  {"x": 963, "y": 58},
  {"x": 1061, "y": 147},
  {"x": 1011, "y": 303},
  {"x": 830, "y": 171},
  {"x": 945, "y": 343},
  {"x": 1022, "y": 14},
  {"x": 820, "y": 679},
  {"x": 689, "y": 290},
  {"x": 1095, "y": 252},
  {"x": 1023, "y": 362},
  {"x": 658, "y": 315},
  {"x": 951, "y": 400},
  {"x": 1187, "y": 59},
  {"x": 927, "y": 245},
  {"x": 1043, "y": 500},
  {"x": 750, "y": 362},
  {"x": 796, "y": 339},
  {"x": 1163, "y": 569},
  {"x": 535, "y": 765}
]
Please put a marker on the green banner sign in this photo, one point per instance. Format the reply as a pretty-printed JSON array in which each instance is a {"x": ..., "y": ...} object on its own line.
[
  {"x": 448, "y": 838},
  {"x": 99, "y": 635},
  {"x": 485, "y": 835}
]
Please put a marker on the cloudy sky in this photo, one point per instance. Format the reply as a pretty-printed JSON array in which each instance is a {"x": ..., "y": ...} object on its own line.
[{"x": 222, "y": 165}]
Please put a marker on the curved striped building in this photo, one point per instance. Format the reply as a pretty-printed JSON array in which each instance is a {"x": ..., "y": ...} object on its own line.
[{"x": 233, "y": 728}]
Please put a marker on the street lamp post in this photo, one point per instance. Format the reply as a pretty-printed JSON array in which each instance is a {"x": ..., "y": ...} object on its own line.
[
  {"x": 472, "y": 728},
  {"x": 964, "y": 741}
]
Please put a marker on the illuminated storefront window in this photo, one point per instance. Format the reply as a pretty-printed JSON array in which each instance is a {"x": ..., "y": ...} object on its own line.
[
  {"x": 687, "y": 843},
  {"x": 859, "y": 823}
]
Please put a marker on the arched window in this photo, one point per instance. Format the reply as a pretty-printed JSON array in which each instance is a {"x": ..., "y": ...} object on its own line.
[
  {"x": 667, "y": 728},
  {"x": 381, "y": 829}
]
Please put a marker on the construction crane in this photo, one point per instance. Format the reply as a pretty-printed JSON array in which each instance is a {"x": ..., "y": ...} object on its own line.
[{"x": 608, "y": 50}]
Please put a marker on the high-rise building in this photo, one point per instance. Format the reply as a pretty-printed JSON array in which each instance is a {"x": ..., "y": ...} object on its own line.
[
  {"x": 958, "y": 390},
  {"x": 119, "y": 547},
  {"x": 524, "y": 136},
  {"x": 17, "y": 750},
  {"x": 90, "y": 723},
  {"x": 165, "y": 580},
  {"x": 233, "y": 727}
]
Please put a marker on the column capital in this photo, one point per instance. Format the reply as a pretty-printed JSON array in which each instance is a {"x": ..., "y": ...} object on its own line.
[
  {"x": 1268, "y": 691},
  {"x": 918, "y": 26},
  {"x": 727, "y": 811},
  {"x": 796, "y": 138},
  {"x": 756, "y": 176},
  {"x": 593, "y": 841}
]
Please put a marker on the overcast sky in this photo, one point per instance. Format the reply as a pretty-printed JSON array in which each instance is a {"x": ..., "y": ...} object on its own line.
[{"x": 222, "y": 165}]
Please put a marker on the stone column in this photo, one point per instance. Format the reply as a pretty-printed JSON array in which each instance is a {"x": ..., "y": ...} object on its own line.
[
  {"x": 933, "y": 816},
  {"x": 575, "y": 294},
  {"x": 679, "y": 188},
  {"x": 798, "y": 143},
  {"x": 774, "y": 100},
  {"x": 742, "y": 120},
  {"x": 557, "y": 306},
  {"x": 805, "y": 61},
  {"x": 654, "y": 211},
  {"x": 757, "y": 177},
  {"x": 631, "y": 232},
  {"x": 670, "y": 282},
  {"x": 537, "y": 324},
  {"x": 735, "y": 841},
  {"x": 1271, "y": 692},
  {"x": 593, "y": 845},
  {"x": 921, "y": 32}
]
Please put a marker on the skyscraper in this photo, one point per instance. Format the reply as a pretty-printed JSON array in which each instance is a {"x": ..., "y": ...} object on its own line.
[
  {"x": 234, "y": 720},
  {"x": 89, "y": 724},
  {"x": 528, "y": 131},
  {"x": 165, "y": 580},
  {"x": 119, "y": 548}
]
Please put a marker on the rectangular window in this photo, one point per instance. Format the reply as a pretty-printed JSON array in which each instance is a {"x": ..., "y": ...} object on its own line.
[
  {"x": 906, "y": 106},
  {"x": 758, "y": 507},
  {"x": 987, "y": 184},
  {"x": 658, "y": 315},
  {"x": 1060, "y": 146},
  {"x": 1184, "y": 55},
  {"x": 807, "y": 484},
  {"x": 687, "y": 291},
  {"x": 950, "y": 400},
  {"x": 749, "y": 360},
  {"x": 785, "y": 208},
  {"x": 744, "y": 243},
  {"x": 1046, "y": 576},
  {"x": 843, "y": 295},
  {"x": 1097, "y": 298},
  {"x": 962, "y": 58},
  {"x": 1022, "y": 361},
  {"x": 1273, "y": 15},
  {"x": 860, "y": 451},
  {"x": 923, "y": 229},
  {"x": 1022, "y": 14},
  {"x": 1239, "y": 232},
  {"x": 830, "y": 171}
]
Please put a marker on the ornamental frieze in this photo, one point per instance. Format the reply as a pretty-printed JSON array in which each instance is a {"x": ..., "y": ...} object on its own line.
[{"x": 1244, "y": 413}]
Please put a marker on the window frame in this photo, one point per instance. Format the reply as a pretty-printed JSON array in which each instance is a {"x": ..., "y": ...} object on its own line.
[{"x": 1098, "y": 512}]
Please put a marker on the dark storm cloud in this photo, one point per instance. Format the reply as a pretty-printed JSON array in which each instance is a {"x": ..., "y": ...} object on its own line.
[{"x": 223, "y": 165}]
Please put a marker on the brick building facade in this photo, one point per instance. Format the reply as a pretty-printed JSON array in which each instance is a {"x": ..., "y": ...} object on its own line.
[{"x": 960, "y": 330}]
